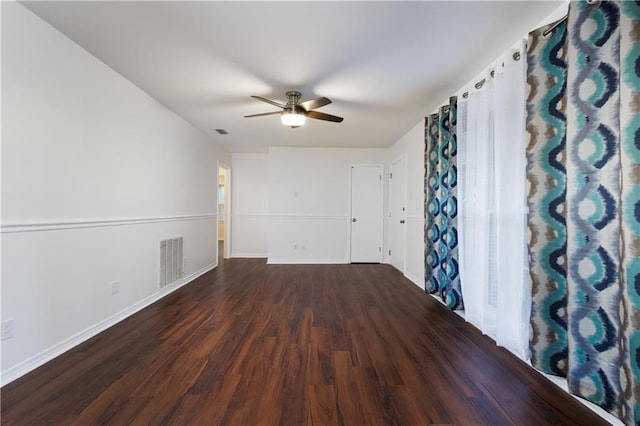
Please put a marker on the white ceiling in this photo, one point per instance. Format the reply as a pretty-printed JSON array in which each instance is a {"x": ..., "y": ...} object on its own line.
[{"x": 384, "y": 64}]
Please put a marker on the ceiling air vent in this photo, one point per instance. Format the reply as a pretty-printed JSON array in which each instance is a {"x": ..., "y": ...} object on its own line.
[{"x": 222, "y": 131}]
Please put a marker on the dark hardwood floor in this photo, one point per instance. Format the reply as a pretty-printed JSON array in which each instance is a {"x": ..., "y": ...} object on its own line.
[{"x": 256, "y": 344}]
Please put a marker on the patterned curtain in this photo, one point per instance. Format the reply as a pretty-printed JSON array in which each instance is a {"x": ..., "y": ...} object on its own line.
[
  {"x": 583, "y": 175},
  {"x": 441, "y": 206},
  {"x": 547, "y": 191}
]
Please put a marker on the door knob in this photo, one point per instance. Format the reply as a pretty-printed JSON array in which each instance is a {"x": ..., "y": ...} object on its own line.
[
  {"x": 354, "y": 220},
  {"x": 402, "y": 221}
]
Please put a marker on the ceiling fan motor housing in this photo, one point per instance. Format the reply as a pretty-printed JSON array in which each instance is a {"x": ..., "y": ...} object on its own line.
[
  {"x": 293, "y": 109},
  {"x": 293, "y": 96},
  {"x": 292, "y": 105}
]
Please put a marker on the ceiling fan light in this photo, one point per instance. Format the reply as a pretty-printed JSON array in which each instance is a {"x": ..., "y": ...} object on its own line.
[{"x": 292, "y": 118}]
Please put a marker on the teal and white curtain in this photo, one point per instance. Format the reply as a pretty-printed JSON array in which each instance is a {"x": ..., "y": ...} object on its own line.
[
  {"x": 442, "y": 275},
  {"x": 492, "y": 212},
  {"x": 583, "y": 177}
]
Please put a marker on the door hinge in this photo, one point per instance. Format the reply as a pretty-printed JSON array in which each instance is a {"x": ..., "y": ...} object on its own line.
[
  {"x": 389, "y": 252},
  {"x": 390, "y": 175},
  {"x": 381, "y": 177},
  {"x": 380, "y": 249}
]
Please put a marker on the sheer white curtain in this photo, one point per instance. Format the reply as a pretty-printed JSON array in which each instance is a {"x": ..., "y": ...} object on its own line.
[
  {"x": 514, "y": 282},
  {"x": 492, "y": 200},
  {"x": 475, "y": 150}
]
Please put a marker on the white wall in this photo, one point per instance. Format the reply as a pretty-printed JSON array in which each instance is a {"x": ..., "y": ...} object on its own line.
[
  {"x": 249, "y": 205},
  {"x": 309, "y": 202},
  {"x": 94, "y": 174},
  {"x": 411, "y": 145}
]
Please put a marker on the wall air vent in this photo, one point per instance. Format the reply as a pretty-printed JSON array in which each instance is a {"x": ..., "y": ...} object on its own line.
[
  {"x": 171, "y": 261},
  {"x": 222, "y": 131}
]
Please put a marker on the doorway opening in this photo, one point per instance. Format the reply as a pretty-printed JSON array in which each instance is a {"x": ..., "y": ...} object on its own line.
[
  {"x": 224, "y": 212},
  {"x": 397, "y": 214}
]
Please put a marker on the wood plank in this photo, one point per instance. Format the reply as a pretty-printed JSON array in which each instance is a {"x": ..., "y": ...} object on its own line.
[{"x": 321, "y": 400}]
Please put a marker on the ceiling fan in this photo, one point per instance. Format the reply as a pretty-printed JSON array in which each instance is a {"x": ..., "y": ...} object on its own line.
[{"x": 294, "y": 112}]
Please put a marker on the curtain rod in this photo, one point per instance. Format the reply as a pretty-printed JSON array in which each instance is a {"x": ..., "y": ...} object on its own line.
[
  {"x": 554, "y": 26},
  {"x": 516, "y": 55}
]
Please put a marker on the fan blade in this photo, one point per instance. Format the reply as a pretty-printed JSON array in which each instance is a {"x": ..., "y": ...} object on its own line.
[
  {"x": 269, "y": 101},
  {"x": 315, "y": 103},
  {"x": 322, "y": 116},
  {"x": 264, "y": 113}
]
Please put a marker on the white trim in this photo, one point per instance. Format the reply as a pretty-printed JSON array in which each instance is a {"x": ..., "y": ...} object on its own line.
[
  {"x": 309, "y": 216},
  {"x": 350, "y": 201},
  {"x": 293, "y": 216},
  {"x": 43, "y": 357},
  {"x": 307, "y": 261},
  {"x": 226, "y": 246},
  {"x": 95, "y": 223},
  {"x": 561, "y": 382},
  {"x": 414, "y": 279},
  {"x": 402, "y": 157}
]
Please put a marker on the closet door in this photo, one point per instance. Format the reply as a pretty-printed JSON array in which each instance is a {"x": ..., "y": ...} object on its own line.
[{"x": 366, "y": 213}]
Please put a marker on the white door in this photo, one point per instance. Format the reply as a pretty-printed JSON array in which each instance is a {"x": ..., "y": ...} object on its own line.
[
  {"x": 397, "y": 206},
  {"x": 366, "y": 213}
]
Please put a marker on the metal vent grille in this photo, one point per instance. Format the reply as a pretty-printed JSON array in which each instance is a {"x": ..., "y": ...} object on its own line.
[
  {"x": 222, "y": 131},
  {"x": 171, "y": 260}
]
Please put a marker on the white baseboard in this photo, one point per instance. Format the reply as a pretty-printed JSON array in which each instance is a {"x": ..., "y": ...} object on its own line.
[
  {"x": 47, "y": 355},
  {"x": 271, "y": 261},
  {"x": 561, "y": 382},
  {"x": 414, "y": 279}
]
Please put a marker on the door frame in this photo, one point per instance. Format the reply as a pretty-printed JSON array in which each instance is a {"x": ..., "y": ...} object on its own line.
[
  {"x": 350, "y": 233},
  {"x": 226, "y": 246},
  {"x": 402, "y": 157}
]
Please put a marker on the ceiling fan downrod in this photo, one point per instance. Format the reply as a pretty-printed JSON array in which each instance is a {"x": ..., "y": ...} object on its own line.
[{"x": 294, "y": 97}]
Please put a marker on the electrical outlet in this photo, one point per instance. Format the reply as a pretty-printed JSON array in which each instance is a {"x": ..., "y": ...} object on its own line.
[
  {"x": 115, "y": 287},
  {"x": 7, "y": 329}
]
